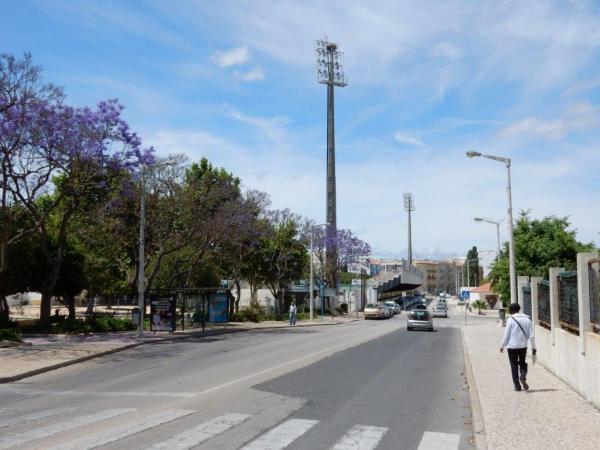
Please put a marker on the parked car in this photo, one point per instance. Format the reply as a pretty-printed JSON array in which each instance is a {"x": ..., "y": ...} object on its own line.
[
  {"x": 440, "y": 311},
  {"x": 389, "y": 310},
  {"x": 374, "y": 311},
  {"x": 395, "y": 307},
  {"x": 421, "y": 319}
]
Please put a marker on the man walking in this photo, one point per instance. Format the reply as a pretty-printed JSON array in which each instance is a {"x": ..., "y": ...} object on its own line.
[{"x": 519, "y": 330}]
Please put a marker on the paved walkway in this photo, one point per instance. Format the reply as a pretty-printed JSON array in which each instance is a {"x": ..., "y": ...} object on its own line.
[
  {"x": 47, "y": 352},
  {"x": 549, "y": 416}
]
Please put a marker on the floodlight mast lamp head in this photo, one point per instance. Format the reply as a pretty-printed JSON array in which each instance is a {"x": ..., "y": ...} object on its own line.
[{"x": 330, "y": 68}]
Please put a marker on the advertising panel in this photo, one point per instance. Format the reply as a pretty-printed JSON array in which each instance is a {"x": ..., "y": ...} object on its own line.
[
  {"x": 218, "y": 308},
  {"x": 162, "y": 314}
]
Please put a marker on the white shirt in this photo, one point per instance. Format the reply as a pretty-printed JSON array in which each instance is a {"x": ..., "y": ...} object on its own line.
[
  {"x": 513, "y": 336},
  {"x": 292, "y": 308}
]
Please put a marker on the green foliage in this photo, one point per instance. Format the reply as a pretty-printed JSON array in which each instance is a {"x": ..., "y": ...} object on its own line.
[
  {"x": 347, "y": 277},
  {"x": 479, "y": 304},
  {"x": 10, "y": 334},
  {"x": 102, "y": 324},
  {"x": 539, "y": 245},
  {"x": 472, "y": 262}
]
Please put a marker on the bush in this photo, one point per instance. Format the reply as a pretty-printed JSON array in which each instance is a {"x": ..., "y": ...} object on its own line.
[{"x": 10, "y": 334}]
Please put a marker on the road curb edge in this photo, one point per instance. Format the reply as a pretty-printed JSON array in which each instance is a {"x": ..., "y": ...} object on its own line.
[{"x": 476, "y": 414}]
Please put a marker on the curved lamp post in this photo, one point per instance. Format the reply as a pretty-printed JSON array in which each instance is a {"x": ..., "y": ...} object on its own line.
[{"x": 511, "y": 245}]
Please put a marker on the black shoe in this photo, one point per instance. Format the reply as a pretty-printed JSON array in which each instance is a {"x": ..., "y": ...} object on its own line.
[
  {"x": 524, "y": 382},
  {"x": 517, "y": 389}
]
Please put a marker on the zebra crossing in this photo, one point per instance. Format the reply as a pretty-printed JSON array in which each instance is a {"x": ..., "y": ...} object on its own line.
[{"x": 132, "y": 421}]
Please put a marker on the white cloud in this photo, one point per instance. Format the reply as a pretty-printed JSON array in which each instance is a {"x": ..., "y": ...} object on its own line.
[
  {"x": 404, "y": 138},
  {"x": 234, "y": 57},
  {"x": 447, "y": 50},
  {"x": 270, "y": 127},
  {"x": 578, "y": 117},
  {"x": 256, "y": 74}
]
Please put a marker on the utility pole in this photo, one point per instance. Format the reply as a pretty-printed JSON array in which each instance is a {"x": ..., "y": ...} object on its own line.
[
  {"x": 141, "y": 265},
  {"x": 330, "y": 71},
  {"x": 409, "y": 206}
]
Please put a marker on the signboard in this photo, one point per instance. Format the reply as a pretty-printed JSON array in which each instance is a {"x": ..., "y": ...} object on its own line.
[
  {"x": 356, "y": 282},
  {"x": 330, "y": 292},
  {"x": 464, "y": 295},
  {"x": 218, "y": 308},
  {"x": 162, "y": 314}
]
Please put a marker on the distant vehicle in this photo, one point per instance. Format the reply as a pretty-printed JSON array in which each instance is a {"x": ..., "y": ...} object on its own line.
[
  {"x": 374, "y": 311},
  {"x": 420, "y": 319},
  {"x": 421, "y": 306},
  {"x": 440, "y": 311},
  {"x": 389, "y": 310},
  {"x": 394, "y": 306}
]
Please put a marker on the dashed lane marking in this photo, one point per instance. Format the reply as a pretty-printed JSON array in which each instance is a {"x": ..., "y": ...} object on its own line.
[
  {"x": 201, "y": 433},
  {"x": 439, "y": 441},
  {"x": 361, "y": 437},
  {"x": 34, "y": 392},
  {"x": 60, "y": 427},
  {"x": 34, "y": 416},
  {"x": 113, "y": 434},
  {"x": 282, "y": 435}
]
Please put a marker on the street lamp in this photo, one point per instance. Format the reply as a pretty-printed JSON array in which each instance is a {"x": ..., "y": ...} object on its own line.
[
  {"x": 142, "y": 268},
  {"x": 511, "y": 244},
  {"x": 480, "y": 219},
  {"x": 312, "y": 233}
]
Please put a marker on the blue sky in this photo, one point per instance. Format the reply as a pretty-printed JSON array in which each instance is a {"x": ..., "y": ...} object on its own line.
[{"x": 235, "y": 81}]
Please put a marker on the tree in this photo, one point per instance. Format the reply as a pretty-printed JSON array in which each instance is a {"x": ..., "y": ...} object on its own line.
[
  {"x": 243, "y": 239},
  {"x": 349, "y": 248},
  {"x": 284, "y": 256},
  {"x": 472, "y": 267},
  {"x": 539, "y": 245},
  {"x": 26, "y": 108}
]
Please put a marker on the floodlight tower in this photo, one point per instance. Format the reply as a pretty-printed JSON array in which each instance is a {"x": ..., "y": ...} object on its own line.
[
  {"x": 409, "y": 207},
  {"x": 330, "y": 71}
]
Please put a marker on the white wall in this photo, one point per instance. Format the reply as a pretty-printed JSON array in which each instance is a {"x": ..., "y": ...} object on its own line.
[{"x": 575, "y": 359}]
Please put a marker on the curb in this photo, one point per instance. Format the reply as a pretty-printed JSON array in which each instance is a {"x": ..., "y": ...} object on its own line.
[
  {"x": 476, "y": 414},
  {"x": 137, "y": 344}
]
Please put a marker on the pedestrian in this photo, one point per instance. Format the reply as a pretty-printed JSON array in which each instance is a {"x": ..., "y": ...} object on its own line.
[
  {"x": 293, "y": 311},
  {"x": 519, "y": 330}
]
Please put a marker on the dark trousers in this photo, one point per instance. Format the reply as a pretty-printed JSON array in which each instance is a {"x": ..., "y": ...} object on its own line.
[{"x": 516, "y": 356}]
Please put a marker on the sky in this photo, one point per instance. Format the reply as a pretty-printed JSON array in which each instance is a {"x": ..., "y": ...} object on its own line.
[{"x": 235, "y": 81}]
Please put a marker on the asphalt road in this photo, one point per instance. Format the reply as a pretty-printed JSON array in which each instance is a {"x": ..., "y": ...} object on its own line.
[{"x": 363, "y": 385}]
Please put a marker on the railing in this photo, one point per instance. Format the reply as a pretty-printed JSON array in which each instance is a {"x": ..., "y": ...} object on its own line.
[
  {"x": 568, "y": 303},
  {"x": 595, "y": 296},
  {"x": 544, "y": 304},
  {"x": 527, "y": 300}
]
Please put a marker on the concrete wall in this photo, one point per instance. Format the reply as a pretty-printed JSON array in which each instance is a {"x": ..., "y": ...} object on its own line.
[{"x": 575, "y": 359}]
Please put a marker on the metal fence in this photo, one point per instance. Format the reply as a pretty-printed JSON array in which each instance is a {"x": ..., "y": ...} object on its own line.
[
  {"x": 544, "y": 304},
  {"x": 527, "y": 300},
  {"x": 595, "y": 296},
  {"x": 568, "y": 303}
]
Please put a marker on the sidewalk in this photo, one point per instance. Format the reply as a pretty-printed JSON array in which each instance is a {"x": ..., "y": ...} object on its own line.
[
  {"x": 548, "y": 416},
  {"x": 48, "y": 352}
]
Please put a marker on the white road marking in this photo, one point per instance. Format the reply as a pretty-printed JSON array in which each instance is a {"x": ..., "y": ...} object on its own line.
[
  {"x": 113, "y": 434},
  {"x": 201, "y": 433},
  {"x": 282, "y": 435},
  {"x": 37, "y": 433},
  {"x": 439, "y": 441},
  {"x": 347, "y": 344},
  {"x": 361, "y": 437},
  {"x": 33, "y": 392},
  {"x": 34, "y": 416}
]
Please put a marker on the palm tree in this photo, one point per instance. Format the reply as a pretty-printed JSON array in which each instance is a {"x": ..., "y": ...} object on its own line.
[{"x": 479, "y": 304}]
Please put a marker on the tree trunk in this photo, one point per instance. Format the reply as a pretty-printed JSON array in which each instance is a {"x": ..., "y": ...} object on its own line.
[
  {"x": 238, "y": 290},
  {"x": 70, "y": 300},
  {"x": 91, "y": 304},
  {"x": 4, "y": 310},
  {"x": 46, "y": 307}
]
